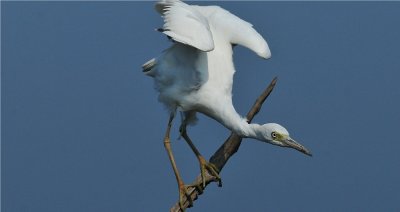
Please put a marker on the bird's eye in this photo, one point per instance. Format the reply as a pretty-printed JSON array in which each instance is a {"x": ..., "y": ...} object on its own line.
[{"x": 273, "y": 134}]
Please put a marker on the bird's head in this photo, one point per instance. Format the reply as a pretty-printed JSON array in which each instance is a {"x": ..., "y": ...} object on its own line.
[{"x": 278, "y": 135}]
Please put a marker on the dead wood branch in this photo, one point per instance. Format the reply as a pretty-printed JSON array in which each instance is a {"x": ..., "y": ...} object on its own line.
[{"x": 229, "y": 148}]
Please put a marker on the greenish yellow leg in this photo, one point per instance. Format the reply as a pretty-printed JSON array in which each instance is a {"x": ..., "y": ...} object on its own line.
[
  {"x": 204, "y": 164},
  {"x": 183, "y": 189}
]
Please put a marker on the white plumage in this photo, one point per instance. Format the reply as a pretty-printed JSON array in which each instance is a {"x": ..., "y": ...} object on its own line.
[
  {"x": 187, "y": 76},
  {"x": 178, "y": 14},
  {"x": 196, "y": 73}
]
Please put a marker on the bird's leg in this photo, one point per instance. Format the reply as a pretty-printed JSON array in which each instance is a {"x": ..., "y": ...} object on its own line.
[
  {"x": 204, "y": 164},
  {"x": 183, "y": 189}
]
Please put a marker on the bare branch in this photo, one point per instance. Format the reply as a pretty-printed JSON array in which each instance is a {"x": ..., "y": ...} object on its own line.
[{"x": 229, "y": 148}]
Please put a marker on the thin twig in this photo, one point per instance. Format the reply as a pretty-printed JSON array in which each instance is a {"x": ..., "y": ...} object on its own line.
[{"x": 229, "y": 148}]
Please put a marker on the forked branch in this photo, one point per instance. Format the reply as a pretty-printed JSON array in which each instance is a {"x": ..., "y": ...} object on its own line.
[{"x": 229, "y": 148}]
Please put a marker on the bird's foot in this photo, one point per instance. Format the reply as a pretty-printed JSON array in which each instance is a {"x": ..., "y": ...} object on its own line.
[
  {"x": 184, "y": 195},
  {"x": 211, "y": 169}
]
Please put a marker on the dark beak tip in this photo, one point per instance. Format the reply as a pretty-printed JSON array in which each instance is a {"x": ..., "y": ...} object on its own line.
[{"x": 308, "y": 153}]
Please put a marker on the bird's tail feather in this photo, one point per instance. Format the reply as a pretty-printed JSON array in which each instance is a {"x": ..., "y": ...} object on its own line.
[{"x": 148, "y": 66}]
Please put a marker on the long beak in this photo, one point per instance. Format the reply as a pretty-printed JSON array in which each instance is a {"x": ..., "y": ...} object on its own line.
[{"x": 289, "y": 142}]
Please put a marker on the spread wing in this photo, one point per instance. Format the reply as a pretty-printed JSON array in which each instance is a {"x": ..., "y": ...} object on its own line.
[{"x": 184, "y": 24}]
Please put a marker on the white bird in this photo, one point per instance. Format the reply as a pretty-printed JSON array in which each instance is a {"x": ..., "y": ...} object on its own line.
[{"x": 196, "y": 74}]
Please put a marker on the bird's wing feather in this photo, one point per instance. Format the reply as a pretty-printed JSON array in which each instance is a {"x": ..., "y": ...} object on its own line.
[
  {"x": 239, "y": 31},
  {"x": 184, "y": 24}
]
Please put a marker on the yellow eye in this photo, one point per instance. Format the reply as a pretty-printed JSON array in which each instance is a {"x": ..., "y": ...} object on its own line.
[{"x": 273, "y": 135}]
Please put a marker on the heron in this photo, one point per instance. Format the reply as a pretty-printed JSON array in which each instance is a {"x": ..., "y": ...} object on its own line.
[{"x": 195, "y": 75}]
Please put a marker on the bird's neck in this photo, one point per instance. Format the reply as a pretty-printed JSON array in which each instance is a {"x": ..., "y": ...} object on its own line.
[
  {"x": 246, "y": 130},
  {"x": 233, "y": 121}
]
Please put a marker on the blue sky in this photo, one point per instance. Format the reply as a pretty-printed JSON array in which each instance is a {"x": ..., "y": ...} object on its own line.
[{"x": 82, "y": 129}]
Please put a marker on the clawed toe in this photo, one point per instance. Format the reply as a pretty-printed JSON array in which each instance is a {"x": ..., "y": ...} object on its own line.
[
  {"x": 211, "y": 169},
  {"x": 184, "y": 193}
]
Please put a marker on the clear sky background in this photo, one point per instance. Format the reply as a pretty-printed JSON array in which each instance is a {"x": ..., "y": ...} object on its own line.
[{"x": 82, "y": 129}]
